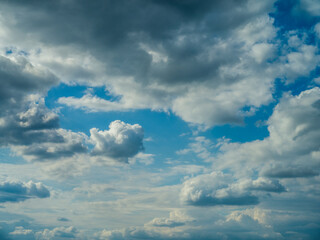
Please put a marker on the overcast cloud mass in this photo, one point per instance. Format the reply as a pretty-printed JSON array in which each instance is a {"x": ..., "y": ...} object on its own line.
[{"x": 159, "y": 119}]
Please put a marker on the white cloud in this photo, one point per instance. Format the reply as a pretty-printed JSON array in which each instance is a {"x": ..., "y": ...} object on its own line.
[
  {"x": 263, "y": 51},
  {"x": 248, "y": 224},
  {"x": 21, "y": 231},
  {"x": 120, "y": 142},
  {"x": 215, "y": 189},
  {"x": 300, "y": 62},
  {"x": 293, "y": 142},
  {"x": 18, "y": 191},
  {"x": 176, "y": 218},
  {"x": 57, "y": 233}
]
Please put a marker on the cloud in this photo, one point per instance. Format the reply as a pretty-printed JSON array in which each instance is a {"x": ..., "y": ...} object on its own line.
[
  {"x": 30, "y": 125},
  {"x": 290, "y": 150},
  {"x": 214, "y": 189},
  {"x": 263, "y": 184},
  {"x": 19, "y": 191},
  {"x": 279, "y": 171},
  {"x": 62, "y": 219},
  {"x": 18, "y": 79},
  {"x": 120, "y": 142},
  {"x": 205, "y": 62},
  {"x": 202, "y": 74},
  {"x": 34, "y": 133},
  {"x": 301, "y": 59},
  {"x": 69, "y": 143},
  {"x": 57, "y": 233},
  {"x": 218, "y": 188},
  {"x": 26, "y": 124},
  {"x": 247, "y": 224},
  {"x": 22, "y": 233},
  {"x": 176, "y": 219},
  {"x": 311, "y": 6}
]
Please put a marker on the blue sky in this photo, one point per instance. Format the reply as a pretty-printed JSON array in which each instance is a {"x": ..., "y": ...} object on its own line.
[{"x": 161, "y": 119}]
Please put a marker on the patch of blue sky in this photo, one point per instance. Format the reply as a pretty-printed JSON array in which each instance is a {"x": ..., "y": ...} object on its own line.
[
  {"x": 291, "y": 17},
  {"x": 6, "y": 156}
]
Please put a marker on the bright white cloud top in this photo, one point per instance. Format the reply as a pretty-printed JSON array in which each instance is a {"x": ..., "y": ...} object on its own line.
[{"x": 160, "y": 119}]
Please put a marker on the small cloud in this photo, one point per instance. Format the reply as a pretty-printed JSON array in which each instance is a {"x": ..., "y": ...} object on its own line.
[
  {"x": 176, "y": 219},
  {"x": 19, "y": 191},
  {"x": 213, "y": 189},
  {"x": 62, "y": 219},
  {"x": 120, "y": 142},
  {"x": 289, "y": 172}
]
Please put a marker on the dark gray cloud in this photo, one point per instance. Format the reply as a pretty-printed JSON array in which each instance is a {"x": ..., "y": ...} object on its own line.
[
  {"x": 32, "y": 130},
  {"x": 164, "y": 51},
  {"x": 18, "y": 191},
  {"x": 31, "y": 125},
  {"x": 18, "y": 78},
  {"x": 289, "y": 172},
  {"x": 63, "y": 219},
  {"x": 26, "y": 124},
  {"x": 264, "y": 184},
  {"x": 176, "y": 219}
]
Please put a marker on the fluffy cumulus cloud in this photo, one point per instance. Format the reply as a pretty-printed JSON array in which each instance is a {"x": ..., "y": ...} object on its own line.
[
  {"x": 22, "y": 233},
  {"x": 120, "y": 142},
  {"x": 290, "y": 150},
  {"x": 248, "y": 224},
  {"x": 19, "y": 191},
  {"x": 176, "y": 219},
  {"x": 221, "y": 189},
  {"x": 57, "y": 233},
  {"x": 212, "y": 189}
]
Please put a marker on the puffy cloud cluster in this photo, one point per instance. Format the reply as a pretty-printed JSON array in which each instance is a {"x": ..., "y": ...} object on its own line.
[
  {"x": 176, "y": 219},
  {"x": 290, "y": 151},
  {"x": 221, "y": 189},
  {"x": 20, "y": 233},
  {"x": 31, "y": 130},
  {"x": 248, "y": 224},
  {"x": 19, "y": 191},
  {"x": 57, "y": 233},
  {"x": 120, "y": 142}
]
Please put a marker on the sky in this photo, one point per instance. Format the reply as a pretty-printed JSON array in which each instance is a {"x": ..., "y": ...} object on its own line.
[{"x": 159, "y": 119}]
